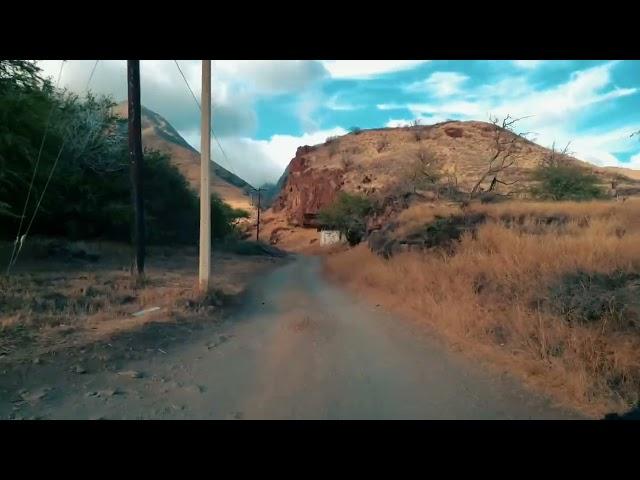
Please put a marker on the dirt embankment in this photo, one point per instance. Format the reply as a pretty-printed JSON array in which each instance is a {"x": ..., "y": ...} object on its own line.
[{"x": 547, "y": 291}]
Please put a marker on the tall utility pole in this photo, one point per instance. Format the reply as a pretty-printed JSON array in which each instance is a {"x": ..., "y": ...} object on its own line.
[
  {"x": 136, "y": 159},
  {"x": 258, "y": 225},
  {"x": 205, "y": 185}
]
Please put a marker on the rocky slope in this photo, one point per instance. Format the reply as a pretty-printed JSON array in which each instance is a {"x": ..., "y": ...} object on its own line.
[
  {"x": 158, "y": 134},
  {"x": 373, "y": 162}
]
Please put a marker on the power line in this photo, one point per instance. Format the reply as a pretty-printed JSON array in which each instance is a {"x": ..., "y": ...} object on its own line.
[
  {"x": 46, "y": 185},
  {"x": 229, "y": 163},
  {"x": 33, "y": 176}
]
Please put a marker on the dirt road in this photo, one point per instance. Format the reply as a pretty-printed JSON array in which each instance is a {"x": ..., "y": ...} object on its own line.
[{"x": 299, "y": 348}]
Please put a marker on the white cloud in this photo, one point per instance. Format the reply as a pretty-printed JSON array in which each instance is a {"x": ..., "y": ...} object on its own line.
[
  {"x": 334, "y": 103},
  {"x": 634, "y": 162},
  {"x": 528, "y": 64},
  {"x": 423, "y": 120},
  {"x": 306, "y": 108},
  {"x": 458, "y": 108},
  {"x": 597, "y": 148},
  {"x": 554, "y": 111},
  {"x": 164, "y": 91},
  {"x": 557, "y": 106},
  {"x": 260, "y": 161},
  {"x": 273, "y": 76},
  {"x": 561, "y": 103},
  {"x": 390, "y": 106},
  {"x": 440, "y": 84},
  {"x": 509, "y": 87},
  {"x": 236, "y": 84},
  {"x": 367, "y": 68}
]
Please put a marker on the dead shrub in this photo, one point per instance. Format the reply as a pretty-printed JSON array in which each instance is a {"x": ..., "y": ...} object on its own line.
[
  {"x": 382, "y": 144},
  {"x": 594, "y": 297},
  {"x": 333, "y": 145}
]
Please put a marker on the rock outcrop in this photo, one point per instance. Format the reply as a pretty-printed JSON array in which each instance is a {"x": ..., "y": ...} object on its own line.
[{"x": 306, "y": 189}]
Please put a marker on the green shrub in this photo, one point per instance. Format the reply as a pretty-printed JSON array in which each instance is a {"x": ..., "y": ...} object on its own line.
[
  {"x": 348, "y": 214},
  {"x": 567, "y": 182}
]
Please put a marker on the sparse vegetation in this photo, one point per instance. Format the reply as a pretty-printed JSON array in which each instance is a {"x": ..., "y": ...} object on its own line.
[
  {"x": 355, "y": 130},
  {"x": 545, "y": 290}
]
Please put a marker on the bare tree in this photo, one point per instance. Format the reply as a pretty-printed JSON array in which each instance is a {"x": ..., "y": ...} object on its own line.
[
  {"x": 506, "y": 145},
  {"x": 424, "y": 170},
  {"x": 416, "y": 130},
  {"x": 556, "y": 158},
  {"x": 452, "y": 180}
]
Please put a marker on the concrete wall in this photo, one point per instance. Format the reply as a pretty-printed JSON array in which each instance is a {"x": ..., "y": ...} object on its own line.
[{"x": 331, "y": 237}]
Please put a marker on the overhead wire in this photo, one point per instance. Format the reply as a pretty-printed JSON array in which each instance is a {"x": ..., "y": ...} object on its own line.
[
  {"x": 46, "y": 185},
  {"x": 18, "y": 240},
  {"x": 228, "y": 161}
]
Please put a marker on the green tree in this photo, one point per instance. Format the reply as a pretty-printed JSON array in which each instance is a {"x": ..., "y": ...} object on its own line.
[
  {"x": 26, "y": 102},
  {"x": 566, "y": 182}
]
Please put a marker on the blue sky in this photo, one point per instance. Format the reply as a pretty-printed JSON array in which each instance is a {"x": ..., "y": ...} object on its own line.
[{"x": 264, "y": 110}]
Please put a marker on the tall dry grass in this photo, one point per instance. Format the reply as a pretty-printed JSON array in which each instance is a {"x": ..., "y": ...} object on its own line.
[{"x": 492, "y": 297}]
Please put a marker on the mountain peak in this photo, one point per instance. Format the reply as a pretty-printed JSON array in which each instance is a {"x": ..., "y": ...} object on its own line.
[{"x": 159, "y": 134}]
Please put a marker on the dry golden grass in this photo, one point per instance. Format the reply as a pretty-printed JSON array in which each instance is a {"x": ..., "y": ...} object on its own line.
[
  {"x": 492, "y": 296},
  {"x": 420, "y": 214}
]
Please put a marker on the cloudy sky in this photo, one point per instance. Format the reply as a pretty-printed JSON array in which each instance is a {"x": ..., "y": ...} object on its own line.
[{"x": 263, "y": 110}]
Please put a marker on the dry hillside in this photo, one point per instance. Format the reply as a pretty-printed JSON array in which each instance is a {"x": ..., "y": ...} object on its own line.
[
  {"x": 158, "y": 134},
  {"x": 374, "y": 161}
]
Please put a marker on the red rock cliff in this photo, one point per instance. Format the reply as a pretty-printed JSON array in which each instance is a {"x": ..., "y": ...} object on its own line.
[{"x": 307, "y": 189}]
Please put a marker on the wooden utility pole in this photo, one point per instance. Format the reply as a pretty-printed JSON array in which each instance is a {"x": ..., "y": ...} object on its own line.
[
  {"x": 205, "y": 185},
  {"x": 258, "y": 225},
  {"x": 136, "y": 159}
]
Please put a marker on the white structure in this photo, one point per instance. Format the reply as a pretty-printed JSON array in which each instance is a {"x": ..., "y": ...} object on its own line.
[{"x": 331, "y": 237}]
